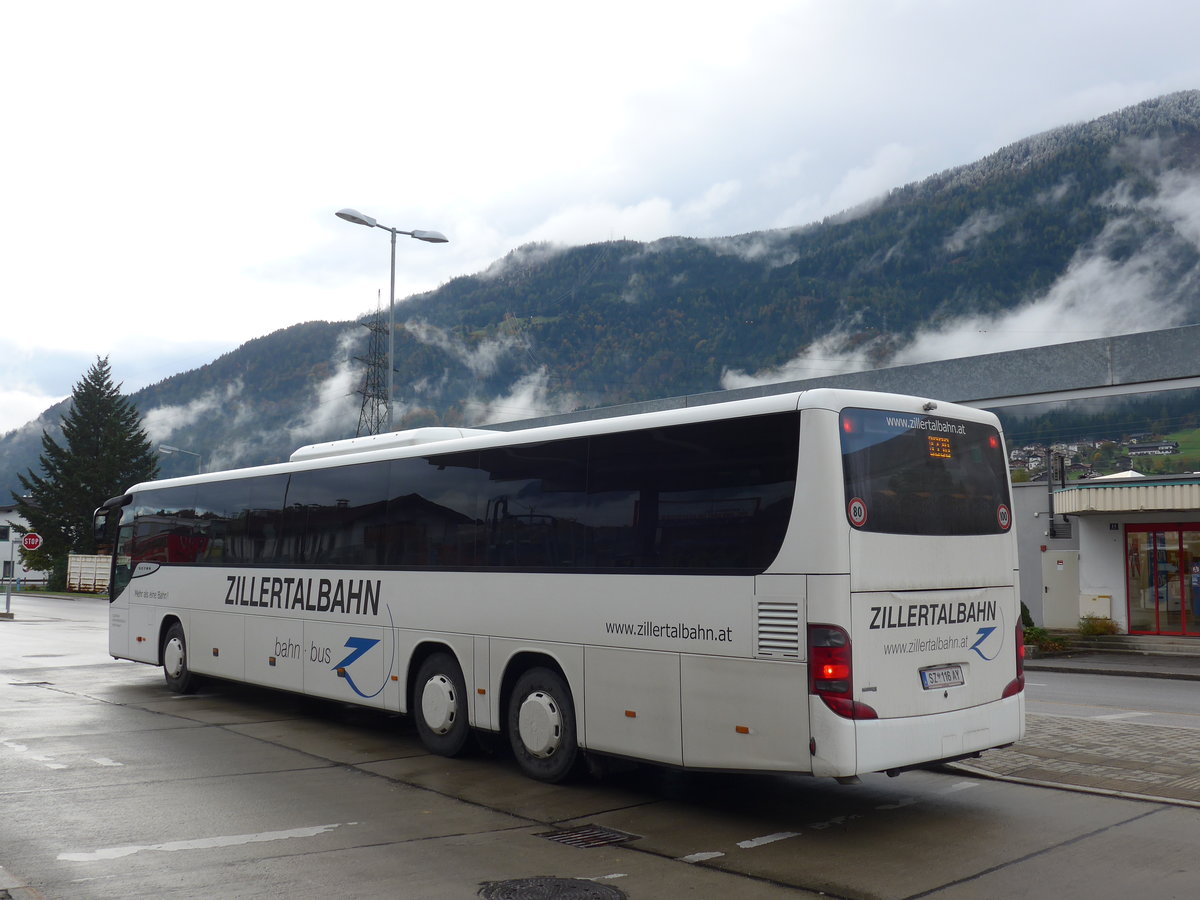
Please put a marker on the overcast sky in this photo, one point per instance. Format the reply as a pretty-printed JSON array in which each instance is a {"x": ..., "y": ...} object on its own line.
[{"x": 171, "y": 171}]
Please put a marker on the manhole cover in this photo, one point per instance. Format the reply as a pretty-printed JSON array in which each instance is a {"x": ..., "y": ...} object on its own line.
[
  {"x": 587, "y": 836},
  {"x": 546, "y": 887}
]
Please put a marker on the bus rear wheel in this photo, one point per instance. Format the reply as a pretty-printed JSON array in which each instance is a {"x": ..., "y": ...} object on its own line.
[
  {"x": 541, "y": 725},
  {"x": 174, "y": 656},
  {"x": 441, "y": 705}
]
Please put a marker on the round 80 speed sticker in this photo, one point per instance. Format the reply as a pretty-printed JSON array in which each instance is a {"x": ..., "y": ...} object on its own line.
[{"x": 857, "y": 510}]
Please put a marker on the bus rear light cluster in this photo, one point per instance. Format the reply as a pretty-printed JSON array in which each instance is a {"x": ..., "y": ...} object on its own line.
[
  {"x": 1017, "y": 685},
  {"x": 831, "y": 672}
]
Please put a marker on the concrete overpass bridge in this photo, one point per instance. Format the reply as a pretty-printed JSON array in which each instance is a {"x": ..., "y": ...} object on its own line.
[{"x": 1145, "y": 362}]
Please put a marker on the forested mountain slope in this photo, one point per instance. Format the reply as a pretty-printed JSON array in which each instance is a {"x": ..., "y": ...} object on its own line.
[{"x": 1089, "y": 229}]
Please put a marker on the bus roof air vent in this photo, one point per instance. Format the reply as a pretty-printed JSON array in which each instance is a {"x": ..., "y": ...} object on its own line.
[{"x": 388, "y": 441}]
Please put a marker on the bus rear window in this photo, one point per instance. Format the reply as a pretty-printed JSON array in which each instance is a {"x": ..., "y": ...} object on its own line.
[{"x": 923, "y": 474}]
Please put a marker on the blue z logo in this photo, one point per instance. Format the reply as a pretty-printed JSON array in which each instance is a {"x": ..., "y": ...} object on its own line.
[
  {"x": 984, "y": 633},
  {"x": 359, "y": 646}
]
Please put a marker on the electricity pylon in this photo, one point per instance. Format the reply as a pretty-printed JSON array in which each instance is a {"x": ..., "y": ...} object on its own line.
[{"x": 372, "y": 417}]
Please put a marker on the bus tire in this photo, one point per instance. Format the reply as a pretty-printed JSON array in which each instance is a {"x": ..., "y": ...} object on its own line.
[
  {"x": 440, "y": 703},
  {"x": 541, "y": 726},
  {"x": 175, "y": 666}
]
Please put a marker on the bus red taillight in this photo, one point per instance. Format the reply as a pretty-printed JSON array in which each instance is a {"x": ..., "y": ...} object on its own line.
[
  {"x": 1017, "y": 684},
  {"x": 831, "y": 672},
  {"x": 834, "y": 671}
]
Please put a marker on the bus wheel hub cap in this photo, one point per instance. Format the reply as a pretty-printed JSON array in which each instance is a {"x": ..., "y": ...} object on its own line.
[
  {"x": 439, "y": 706},
  {"x": 540, "y": 723},
  {"x": 173, "y": 657}
]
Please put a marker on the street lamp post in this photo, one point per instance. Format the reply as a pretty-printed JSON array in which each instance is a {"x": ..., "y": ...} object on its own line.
[
  {"x": 168, "y": 449},
  {"x": 430, "y": 237}
]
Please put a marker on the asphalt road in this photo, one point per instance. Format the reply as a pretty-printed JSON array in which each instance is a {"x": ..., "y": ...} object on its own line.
[
  {"x": 1114, "y": 698},
  {"x": 112, "y": 787}
]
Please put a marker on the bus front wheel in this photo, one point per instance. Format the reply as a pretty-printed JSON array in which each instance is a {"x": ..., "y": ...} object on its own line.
[
  {"x": 174, "y": 656},
  {"x": 541, "y": 725},
  {"x": 441, "y": 705}
]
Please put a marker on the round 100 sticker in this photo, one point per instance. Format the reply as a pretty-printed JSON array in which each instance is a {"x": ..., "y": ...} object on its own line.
[
  {"x": 1004, "y": 517},
  {"x": 857, "y": 510}
]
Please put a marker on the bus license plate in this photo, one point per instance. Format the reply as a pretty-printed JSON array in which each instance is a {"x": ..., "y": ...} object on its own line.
[{"x": 942, "y": 676}]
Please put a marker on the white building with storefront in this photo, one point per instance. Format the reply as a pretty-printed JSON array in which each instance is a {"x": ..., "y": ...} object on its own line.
[
  {"x": 10, "y": 549},
  {"x": 1138, "y": 553}
]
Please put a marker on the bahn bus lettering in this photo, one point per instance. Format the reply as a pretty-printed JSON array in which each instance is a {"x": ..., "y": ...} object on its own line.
[
  {"x": 916, "y": 615},
  {"x": 350, "y": 596}
]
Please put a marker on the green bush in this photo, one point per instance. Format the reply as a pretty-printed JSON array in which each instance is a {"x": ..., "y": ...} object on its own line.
[
  {"x": 1090, "y": 626},
  {"x": 1042, "y": 639},
  {"x": 56, "y": 580}
]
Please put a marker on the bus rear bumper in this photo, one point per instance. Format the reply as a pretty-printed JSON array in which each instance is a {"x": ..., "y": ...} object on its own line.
[{"x": 886, "y": 744}]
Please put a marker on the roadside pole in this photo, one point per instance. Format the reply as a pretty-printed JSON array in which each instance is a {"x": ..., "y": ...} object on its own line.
[
  {"x": 30, "y": 541},
  {"x": 12, "y": 574}
]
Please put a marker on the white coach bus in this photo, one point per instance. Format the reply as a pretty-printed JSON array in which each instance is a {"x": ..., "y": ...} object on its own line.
[{"x": 822, "y": 582}]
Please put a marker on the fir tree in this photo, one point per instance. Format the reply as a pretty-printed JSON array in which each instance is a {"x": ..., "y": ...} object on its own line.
[{"x": 105, "y": 451}]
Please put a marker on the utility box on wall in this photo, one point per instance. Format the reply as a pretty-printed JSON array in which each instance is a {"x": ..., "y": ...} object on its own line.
[{"x": 1098, "y": 606}]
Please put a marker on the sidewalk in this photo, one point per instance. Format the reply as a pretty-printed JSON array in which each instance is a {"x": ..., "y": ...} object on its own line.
[
  {"x": 1140, "y": 665},
  {"x": 1150, "y": 762}
]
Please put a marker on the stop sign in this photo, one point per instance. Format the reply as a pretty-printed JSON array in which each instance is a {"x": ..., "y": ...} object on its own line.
[{"x": 31, "y": 541}]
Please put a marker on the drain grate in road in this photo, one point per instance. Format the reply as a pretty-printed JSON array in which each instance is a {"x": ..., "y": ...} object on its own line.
[
  {"x": 549, "y": 888},
  {"x": 588, "y": 836}
]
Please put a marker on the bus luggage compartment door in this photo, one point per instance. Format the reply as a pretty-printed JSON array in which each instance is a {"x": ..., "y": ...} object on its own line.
[{"x": 745, "y": 714}]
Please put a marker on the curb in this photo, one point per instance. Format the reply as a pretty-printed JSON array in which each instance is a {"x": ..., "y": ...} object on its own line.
[
  {"x": 969, "y": 769},
  {"x": 1175, "y": 675}
]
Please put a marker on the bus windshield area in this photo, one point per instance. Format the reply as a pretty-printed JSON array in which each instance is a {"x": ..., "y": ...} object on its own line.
[{"x": 909, "y": 473}]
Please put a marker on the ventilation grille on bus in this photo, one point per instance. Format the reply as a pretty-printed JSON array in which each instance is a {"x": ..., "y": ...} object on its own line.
[{"x": 778, "y": 629}]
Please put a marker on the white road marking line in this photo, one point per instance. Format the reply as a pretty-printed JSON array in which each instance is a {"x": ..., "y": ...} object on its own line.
[
  {"x": 701, "y": 856},
  {"x": 230, "y": 840},
  {"x": 1114, "y": 716},
  {"x": 899, "y": 804},
  {"x": 49, "y": 760},
  {"x": 959, "y": 786},
  {"x": 767, "y": 839},
  {"x": 836, "y": 820}
]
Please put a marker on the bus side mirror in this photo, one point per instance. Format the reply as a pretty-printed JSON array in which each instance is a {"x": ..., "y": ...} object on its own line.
[
  {"x": 100, "y": 525},
  {"x": 100, "y": 521}
]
